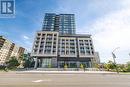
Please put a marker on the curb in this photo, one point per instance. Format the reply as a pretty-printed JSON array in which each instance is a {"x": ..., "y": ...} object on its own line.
[{"x": 62, "y": 72}]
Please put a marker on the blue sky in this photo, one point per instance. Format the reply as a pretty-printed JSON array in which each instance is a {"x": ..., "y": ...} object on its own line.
[{"x": 107, "y": 21}]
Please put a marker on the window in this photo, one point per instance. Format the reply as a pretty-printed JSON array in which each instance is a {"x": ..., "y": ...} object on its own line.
[
  {"x": 91, "y": 44},
  {"x": 88, "y": 52},
  {"x": 43, "y": 34},
  {"x": 92, "y": 52},
  {"x": 42, "y": 42},
  {"x": 80, "y": 40},
  {"x": 87, "y": 48},
  {"x": 35, "y": 51},
  {"x": 54, "y": 43},
  {"x": 40, "y": 51},
  {"x": 43, "y": 38},
  {"x": 46, "y": 62},
  {"x": 47, "y": 51},
  {"x": 72, "y": 52},
  {"x": 71, "y": 43},
  {"x": 38, "y": 34},
  {"x": 38, "y": 38},
  {"x": 67, "y": 52},
  {"x": 81, "y": 44},
  {"x": 82, "y": 52},
  {"x": 41, "y": 46},
  {"x": 86, "y": 43},
  {"x": 86, "y": 40}
]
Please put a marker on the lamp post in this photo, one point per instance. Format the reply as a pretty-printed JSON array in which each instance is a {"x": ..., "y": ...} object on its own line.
[{"x": 114, "y": 56}]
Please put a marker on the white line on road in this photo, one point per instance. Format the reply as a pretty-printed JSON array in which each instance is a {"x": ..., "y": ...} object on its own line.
[
  {"x": 47, "y": 80},
  {"x": 61, "y": 74}
]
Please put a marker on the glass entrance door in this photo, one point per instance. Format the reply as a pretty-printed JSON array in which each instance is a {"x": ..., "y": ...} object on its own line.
[{"x": 46, "y": 62}]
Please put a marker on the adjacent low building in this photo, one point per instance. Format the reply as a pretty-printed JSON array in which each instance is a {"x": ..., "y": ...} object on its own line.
[
  {"x": 4, "y": 49},
  {"x": 9, "y": 49}
]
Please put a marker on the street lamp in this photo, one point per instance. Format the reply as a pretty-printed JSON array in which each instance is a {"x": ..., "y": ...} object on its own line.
[{"x": 114, "y": 56}]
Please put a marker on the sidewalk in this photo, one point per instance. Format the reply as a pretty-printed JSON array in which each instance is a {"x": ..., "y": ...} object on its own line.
[{"x": 65, "y": 72}]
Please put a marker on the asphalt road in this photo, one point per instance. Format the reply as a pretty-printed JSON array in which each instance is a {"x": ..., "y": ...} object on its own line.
[{"x": 63, "y": 80}]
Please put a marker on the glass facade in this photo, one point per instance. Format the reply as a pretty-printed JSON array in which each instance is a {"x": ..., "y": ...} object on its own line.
[
  {"x": 67, "y": 24},
  {"x": 64, "y": 23},
  {"x": 46, "y": 62},
  {"x": 74, "y": 64},
  {"x": 49, "y": 21}
]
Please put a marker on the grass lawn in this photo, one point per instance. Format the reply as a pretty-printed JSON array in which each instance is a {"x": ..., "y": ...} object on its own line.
[{"x": 124, "y": 72}]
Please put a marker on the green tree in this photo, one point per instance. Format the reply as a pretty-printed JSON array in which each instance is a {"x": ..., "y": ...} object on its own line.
[
  {"x": 28, "y": 61},
  {"x": 128, "y": 66},
  {"x": 109, "y": 66},
  {"x": 97, "y": 65},
  {"x": 2, "y": 67},
  {"x": 12, "y": 63},
  {"x": 122, "y": 68}
]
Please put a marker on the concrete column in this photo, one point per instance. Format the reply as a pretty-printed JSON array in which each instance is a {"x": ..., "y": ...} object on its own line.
[
  {"x": 54, "y": 62},
  {"x": 36, "y": 61},
  {"x": 78, "y": 64},
  {"x": 90, "y": 64}
]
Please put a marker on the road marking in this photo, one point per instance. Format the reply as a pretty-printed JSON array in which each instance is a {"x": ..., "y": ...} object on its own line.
[
  {"x": 36, "y": 81},
  {"x": 62, "y": 74}
]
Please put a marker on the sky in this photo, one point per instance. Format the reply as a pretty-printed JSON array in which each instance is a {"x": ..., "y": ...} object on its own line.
[{"x": 108, "y": 21}]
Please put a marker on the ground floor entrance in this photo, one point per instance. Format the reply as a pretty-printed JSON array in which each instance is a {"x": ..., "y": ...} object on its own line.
[
  {"x": 63, "y": 62},
  {"x": 74, "y": 64},
  {"x": 46, "y": 62}
]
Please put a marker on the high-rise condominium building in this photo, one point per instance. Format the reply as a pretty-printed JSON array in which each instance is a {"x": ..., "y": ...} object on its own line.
[
  {"x": 57, "y": 44},
  {"x": 63, "y": 23},
  {"x": 9, "y": 49}
]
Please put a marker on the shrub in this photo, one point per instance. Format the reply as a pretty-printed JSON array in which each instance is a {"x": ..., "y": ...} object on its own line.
[
  {"x": 81, "y": 66},
  {"x": 2, "y": 67},
  {"x": 65, "y": 66}
]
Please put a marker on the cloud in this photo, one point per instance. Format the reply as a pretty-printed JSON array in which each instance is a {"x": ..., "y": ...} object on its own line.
[
  {"x": 26, "y": 37},
  {"x": 87, "y": 10},
  {"x": 26, "y": 42},
  {"x": 107, "y": 21},
  {"x": 111, "y": 31}
]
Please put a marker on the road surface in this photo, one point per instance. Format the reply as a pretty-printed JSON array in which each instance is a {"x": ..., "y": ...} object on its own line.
[{"x": 13, "y": 79}]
